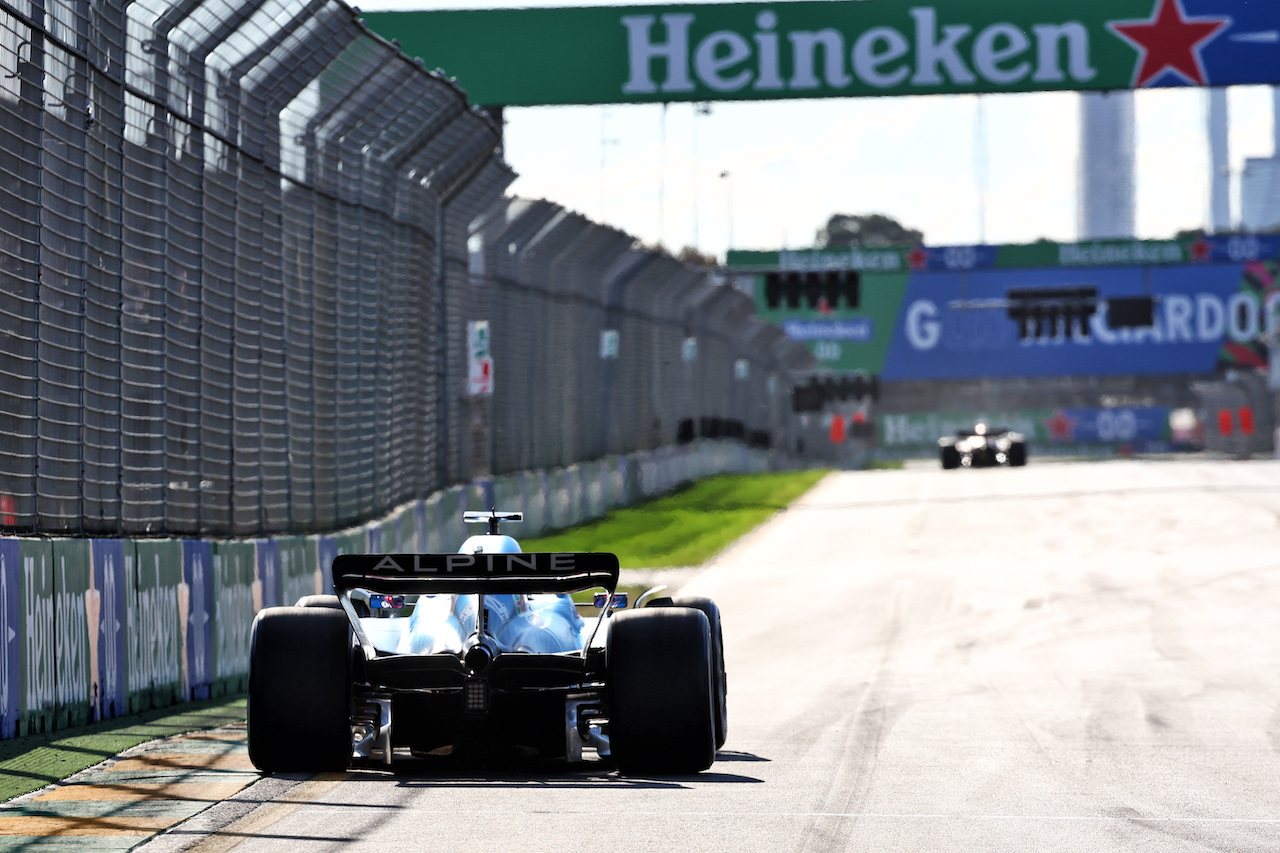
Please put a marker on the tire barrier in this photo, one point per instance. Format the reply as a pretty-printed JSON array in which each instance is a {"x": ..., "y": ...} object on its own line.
[{"x": 96, "y": 628}]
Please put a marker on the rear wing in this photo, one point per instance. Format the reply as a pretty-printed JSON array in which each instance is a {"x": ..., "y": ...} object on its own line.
[{"x": 472, "y": 573}]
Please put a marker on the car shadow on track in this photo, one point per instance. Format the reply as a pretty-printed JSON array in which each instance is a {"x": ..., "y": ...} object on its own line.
[{"x": 433, "y": 772}]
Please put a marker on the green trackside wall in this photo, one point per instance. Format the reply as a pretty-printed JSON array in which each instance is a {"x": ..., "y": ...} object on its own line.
[
  {"x": 91, "y": 629},
  {"x": 755, "y": 51}
]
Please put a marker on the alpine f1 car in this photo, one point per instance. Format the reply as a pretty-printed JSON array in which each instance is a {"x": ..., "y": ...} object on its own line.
[
  {"x": 485, "y": 651},
  {"x": 983, "y": 447}
]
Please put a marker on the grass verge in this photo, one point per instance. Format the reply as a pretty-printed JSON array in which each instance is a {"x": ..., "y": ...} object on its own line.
[
  {"x": 30, "y": 763},
  {"x": 687, "y": 527}
]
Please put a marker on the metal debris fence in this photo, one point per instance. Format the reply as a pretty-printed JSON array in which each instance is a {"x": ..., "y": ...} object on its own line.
[{"x": 240, "y": 243}]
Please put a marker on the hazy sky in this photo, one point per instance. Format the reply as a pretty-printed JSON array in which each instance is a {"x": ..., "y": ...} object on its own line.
[{"x": 791, "y": 164}]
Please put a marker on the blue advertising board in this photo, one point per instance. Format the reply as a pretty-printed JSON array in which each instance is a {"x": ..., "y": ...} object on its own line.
[
  {"x": 10, "y": 649},
  {"x": 197, "y": 576},
  {"x": 111, "y": 694},
  {"x": 1121, "y": 425},
  {"x": 1207, "y": 317}
]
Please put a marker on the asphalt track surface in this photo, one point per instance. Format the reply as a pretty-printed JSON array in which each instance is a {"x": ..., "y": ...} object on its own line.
[{"x": 1078, "y": 657}]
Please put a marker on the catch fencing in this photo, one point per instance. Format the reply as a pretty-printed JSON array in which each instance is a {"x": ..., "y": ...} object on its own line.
[{"x": 240, "y": 246}]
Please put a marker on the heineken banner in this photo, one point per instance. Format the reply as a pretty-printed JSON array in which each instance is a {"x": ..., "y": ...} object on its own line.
[
  {"x": 72, "y": 601},
  {"x": 38, "y": 670},
  {"x": 233, "y": 595},
  {"x": 1120, "y": 425},
  {"x": 937, "y": 313},
  {"x": 298, "y": 575},
  {"x": 750, "y": 51},
  {"x": 155, "y": 625}
]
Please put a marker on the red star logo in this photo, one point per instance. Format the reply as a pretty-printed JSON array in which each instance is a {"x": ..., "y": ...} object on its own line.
[
  {"x": 1169, "y": 41},
  {"x": 1200, "y": 250},
  {"x": 1061, "y": 427},
  {"x": 918, "y": 259}
]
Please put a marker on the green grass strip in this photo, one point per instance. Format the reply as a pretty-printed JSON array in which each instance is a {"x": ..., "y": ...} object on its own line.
[
  {"x": 29, "y": 763},
  {"x": 687, "y": 527}
]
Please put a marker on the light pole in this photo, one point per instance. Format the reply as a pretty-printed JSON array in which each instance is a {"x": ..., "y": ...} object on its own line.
[{"x": 728, "y": 195}]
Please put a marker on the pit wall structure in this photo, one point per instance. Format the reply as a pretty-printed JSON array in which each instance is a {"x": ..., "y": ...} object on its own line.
[{"x": 97, "y": 628}]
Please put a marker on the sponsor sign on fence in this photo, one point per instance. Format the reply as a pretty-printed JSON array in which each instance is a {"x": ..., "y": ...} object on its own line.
[
  {"x": 11, "y": 641},
  {"x": 1119, "y": 425},
  {"x": 39, "y": 644},
  {"x": 752, "y": 51},
  {"x": 233, "y": 589},
  {"x": 196, "y": 602},
  {"x": 943, "y": 316},
  {"x": 298, "y": 574},
  {"x": 155, "y": 624},
  {"x": 72, "y": 576},
  {"x": 107, "y": 614}
]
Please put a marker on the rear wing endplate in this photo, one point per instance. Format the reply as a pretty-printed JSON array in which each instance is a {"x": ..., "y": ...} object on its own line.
[{"x": 471, "y": 573}]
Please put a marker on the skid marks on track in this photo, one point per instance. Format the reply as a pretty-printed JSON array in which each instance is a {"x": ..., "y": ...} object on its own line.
[{"x": 875, "y": 706}]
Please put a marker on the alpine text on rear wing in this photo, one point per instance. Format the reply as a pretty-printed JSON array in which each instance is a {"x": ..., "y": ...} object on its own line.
[{"x": 467, "y": 573}]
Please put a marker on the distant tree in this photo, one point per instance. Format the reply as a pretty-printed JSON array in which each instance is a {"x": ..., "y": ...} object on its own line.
[
  {"x": 870, "y": 231},
  {"x": 690, "y": 255},
  {"x": 1189, "y": 234}
]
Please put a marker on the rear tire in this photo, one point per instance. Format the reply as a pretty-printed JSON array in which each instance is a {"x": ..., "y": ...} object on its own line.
[
  {"x": 299, "y": 711},
  {"x": 331, "y": 601},
  {"x": 1017, "y": 454},
  {"x": 950, "y": 457},
  {"x": 659, "y": 673},
  {"x": 719, "y": 676},
  {"x": 319, "y": 601}
]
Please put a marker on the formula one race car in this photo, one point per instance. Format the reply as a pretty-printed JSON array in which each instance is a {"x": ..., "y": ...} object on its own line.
[
  {"x": 983, "y": 447},
  {"x": 484, "y": 652}
]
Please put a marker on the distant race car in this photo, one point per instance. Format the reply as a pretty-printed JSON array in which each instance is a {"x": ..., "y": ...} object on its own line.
[
  {"x": 396, "y": 664},
  {"x": 983, "y": 447}
]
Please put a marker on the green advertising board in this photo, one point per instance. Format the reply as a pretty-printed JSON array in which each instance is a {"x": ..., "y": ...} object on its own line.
[
  {"x": 233, "y": 588},
  {"x": 155, "y": 624},
  {"x": 298, "y": 575},
  {"x": 752, "y": 51},
  {"x": 1044, "y": 253}
]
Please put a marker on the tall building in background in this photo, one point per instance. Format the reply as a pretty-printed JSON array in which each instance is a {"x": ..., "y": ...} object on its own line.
[
  {"x": 1260, "y": 182},
  {"x": 1105, "y": 186},
  {"x": 1219, "y": 160}
]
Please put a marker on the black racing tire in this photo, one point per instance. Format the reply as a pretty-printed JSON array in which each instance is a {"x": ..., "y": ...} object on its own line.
[
  {"x": 1017, "y": 454},
  {"x": 331, "y": 601},
  {"x": 719, "y": 676},
  {"x": 319, "y": 601},
  {"x": 299, "y": 709},
  {"x": 658, "y": 667},
  {"x": 950, "y": 457}
]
